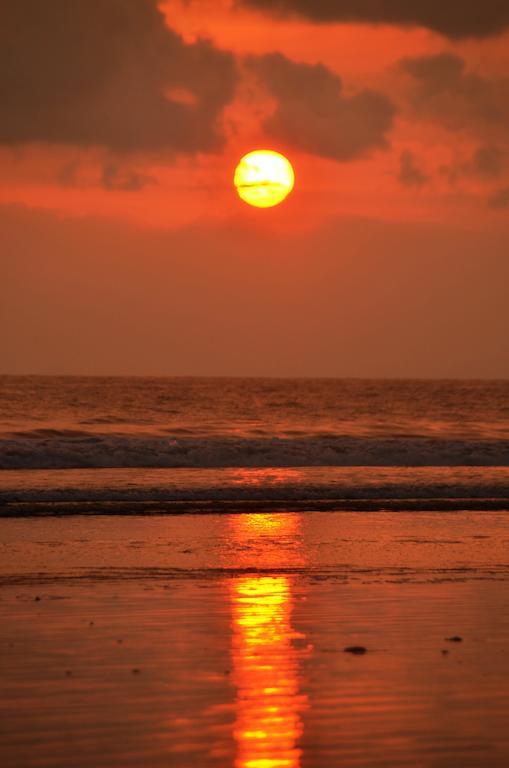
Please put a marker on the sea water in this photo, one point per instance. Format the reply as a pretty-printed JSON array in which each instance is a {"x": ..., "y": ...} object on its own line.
[{"x": 259, "y": 441}]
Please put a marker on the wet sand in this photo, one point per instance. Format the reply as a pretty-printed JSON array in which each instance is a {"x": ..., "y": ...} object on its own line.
[{"x": 219, "y": 640}]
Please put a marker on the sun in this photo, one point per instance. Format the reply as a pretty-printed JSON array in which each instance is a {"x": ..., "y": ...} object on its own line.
[{"x": 264, "y": 178}]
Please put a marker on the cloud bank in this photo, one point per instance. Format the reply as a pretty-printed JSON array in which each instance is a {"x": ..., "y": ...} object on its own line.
[
  {"x": 314, "y": 115},
  {"x": 442, "y": 89},
  {"x": 410, "y": 174},
  {"x": 453, "y": 19},
  {"x": 499, "y": 200},
  {"x": 101, "y": 73}
]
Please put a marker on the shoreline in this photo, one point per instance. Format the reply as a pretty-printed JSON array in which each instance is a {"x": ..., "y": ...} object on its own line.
[
  {"x": 227, "y": 490},
  {"x": 13, "y": 509}
]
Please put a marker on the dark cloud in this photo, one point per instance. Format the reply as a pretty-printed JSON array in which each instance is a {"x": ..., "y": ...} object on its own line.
[
  {"x": 313, "y": 114},
  {"x": 110, "y": 174},
  {"x": 442, "y": 89},
  {"x": 499, "y": 200},
  {"x": 101, "y": 72},
  {"x": 68, "y": 173},
  {"x": 470, "y": 18},
  {"x": 115, "y": 177},
  {"x": 410, "y": 175},
  {"x": 487, "y": 162}
]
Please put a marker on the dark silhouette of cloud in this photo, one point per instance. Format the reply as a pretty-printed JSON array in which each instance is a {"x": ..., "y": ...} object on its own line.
[
  {"x": 410, "y": 175},
  {"x": 470, "y": 18},
  {"x": 101, "y": 72},
  {"x": 112, "y": 175},
  {"x": 442, "y": 89},
  {"x": 499, "y": 200},
  {"x": 68, "y": 173},
  {"x": 486, "y": 163},
  {"x": 313, "y": 114},
  {"x": 115, "y": 177}
]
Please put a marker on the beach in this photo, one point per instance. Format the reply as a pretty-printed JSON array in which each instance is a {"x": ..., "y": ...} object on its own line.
[
  {"x": 220, "y": 639},
  {"x": 253, "y": 573}
]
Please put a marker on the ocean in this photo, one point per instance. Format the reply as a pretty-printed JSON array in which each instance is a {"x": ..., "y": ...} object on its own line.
[{"x": 149, "y": 444}]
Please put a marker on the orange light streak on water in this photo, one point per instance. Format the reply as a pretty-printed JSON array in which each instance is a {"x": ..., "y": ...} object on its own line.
[{"x": 266, "y": 670}]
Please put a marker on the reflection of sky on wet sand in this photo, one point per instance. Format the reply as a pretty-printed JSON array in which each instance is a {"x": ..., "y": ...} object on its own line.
[
  {"x": 265, "y": 658},
  {"x": 264, "y": 476},
  {"x": 264, "y": 541},
  {"x": 210, "y": 609}
]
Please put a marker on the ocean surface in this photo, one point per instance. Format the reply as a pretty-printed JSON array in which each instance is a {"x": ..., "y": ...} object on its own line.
[{"x": 170, "y": 443}]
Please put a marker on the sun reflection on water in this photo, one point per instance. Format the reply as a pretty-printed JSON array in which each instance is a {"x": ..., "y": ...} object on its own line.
[{"x": 266, "y": 659}]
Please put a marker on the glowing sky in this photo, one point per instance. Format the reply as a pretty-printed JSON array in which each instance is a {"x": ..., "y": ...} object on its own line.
[{"x": 125, "y": 249}]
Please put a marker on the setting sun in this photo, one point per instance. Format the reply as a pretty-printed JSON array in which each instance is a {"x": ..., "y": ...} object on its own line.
[{"x": 264, "y": 178}]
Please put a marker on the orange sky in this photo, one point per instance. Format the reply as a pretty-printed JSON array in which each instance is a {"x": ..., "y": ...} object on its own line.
[{"x": 141, "y": 258}]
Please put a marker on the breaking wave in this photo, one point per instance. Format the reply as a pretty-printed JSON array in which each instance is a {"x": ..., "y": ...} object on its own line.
[{"x": 74, "y": 449}]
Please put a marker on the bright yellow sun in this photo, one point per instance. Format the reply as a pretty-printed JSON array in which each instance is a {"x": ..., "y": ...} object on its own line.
[{"x": 264, "y": 178}]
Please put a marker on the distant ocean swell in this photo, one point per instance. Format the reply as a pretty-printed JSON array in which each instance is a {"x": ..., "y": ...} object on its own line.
[{"x": 74, "y": 449}]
